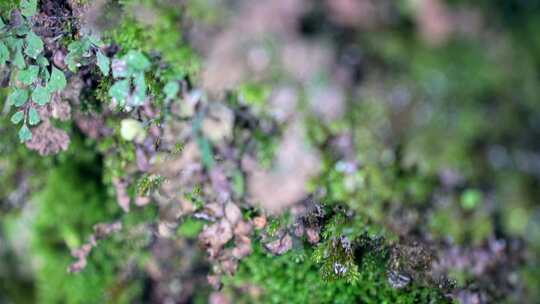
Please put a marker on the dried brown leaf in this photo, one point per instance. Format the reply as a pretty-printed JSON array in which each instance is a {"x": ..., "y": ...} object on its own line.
[{"x": 280, "y": 246}]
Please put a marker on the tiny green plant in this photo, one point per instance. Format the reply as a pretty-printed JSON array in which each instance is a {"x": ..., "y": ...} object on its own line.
[
  {"x": 171, "y": 89},
  {"x": 84, "y": 51},
  {"x": 149, "y": 183},
  {"x": 33, "y": 78},
  {"x": 130, "y": 86}
]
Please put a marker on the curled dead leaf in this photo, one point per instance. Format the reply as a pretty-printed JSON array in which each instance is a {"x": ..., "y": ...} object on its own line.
[
  {"x": 313, "y": 235},
  {"x": 229, "y": 266},
  {"x": 47, "y": 139},
  {"x": 242, "y": 229},
  {"x": 122, "y": 196},
  {"x": 259, "y": 222},
  {"x": 280, "y": 246},
  {"x": 214, "y": 281},
  {"x": 215, "y": 236},
  {"x": 232, "y": 213},
  {"x": 243, "y": 247},
  {"x": 101, "y": 231}
]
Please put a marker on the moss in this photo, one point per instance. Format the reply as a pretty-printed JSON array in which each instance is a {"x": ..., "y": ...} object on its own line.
[
  {"x": 6, "y": 6},
  {"x": 102, "y": 91},
  {"x": 206, "y": 11},
  {"x": 17, "y": 162},
  {"x": 254, "y": 95},
  {"x": 462, "y": 227},
  {"x": 70, "y": 204},
  {"x": 454, "y": 94},
  {"x": 164, "y": 36},
  {"x": 190, "y": 228},
  {"x": 294, "y": 278}
]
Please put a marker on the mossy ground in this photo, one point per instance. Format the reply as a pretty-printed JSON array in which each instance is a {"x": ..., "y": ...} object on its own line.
[
  {"x": 295, "y": 278},
  {"x": 470, "y": 107},
  {"x": 73, "y": 201}
]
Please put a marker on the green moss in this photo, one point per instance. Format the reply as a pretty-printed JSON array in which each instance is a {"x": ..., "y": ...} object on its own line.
[
  {"x": 16, "y": 160},
  {"x": 70, "y": 204},
  {"x": 294, "y": 278},
  {"x": 462, "y": 227},
  {"x": 6, "y": 6},
  {"x": 190, "y": 228},
  {"x": 254, "y": 95},
  {"x": 206, "y": 11},
  {"x": 471, "y": 198},
  {"x": 454, "y": 94},
  {"x": 164, "y": 36}
]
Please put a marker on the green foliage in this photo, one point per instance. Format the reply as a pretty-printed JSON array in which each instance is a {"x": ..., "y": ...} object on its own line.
[
  {"x": 33, "y": 117},
  {"x": 103, "y": 63},
  {"x": 148, "y": 184},
  {"x": 4, "y": 53},
  {"x": 25, "y": 134},
  {"x": 190, "y": 228},
  {"x": 195, "y": 197},
  {"x": 17, "y": 117},
  {"x": 458, "y": 88},
  {"x": 21, "y": 47},
  {"x": 41, "y": 95},
  {"x": 18, "y": 97},
  {"x": 335, "y": 254},
  {"x": 34, "y": 45},
  {"x": 58, "y": 201},
  {"x": 136, "y": 62},
  {"x": 6, "y": 7},
  {"x": 294, "y": 278},
  {"x": 254, "y": 95},
  {"x": 171, "y": 89},
  {"x": 29, "y": 75},
  {"x": 57, "y": 82},
  {"x": 74, "y": 194},
  {"x": 128, "y": 72},
  {"x": 163, "y": 36},
  {"x": 175, "y": 61},
  {"x": 81, "y": 52},
  {"x": 471, "y": 198},
  {"x": 336, "y": 258},
  {"x": 120, "y": 90},
  {"x": 28, "y": 7},
  {"x": 472, "y": 226}
]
